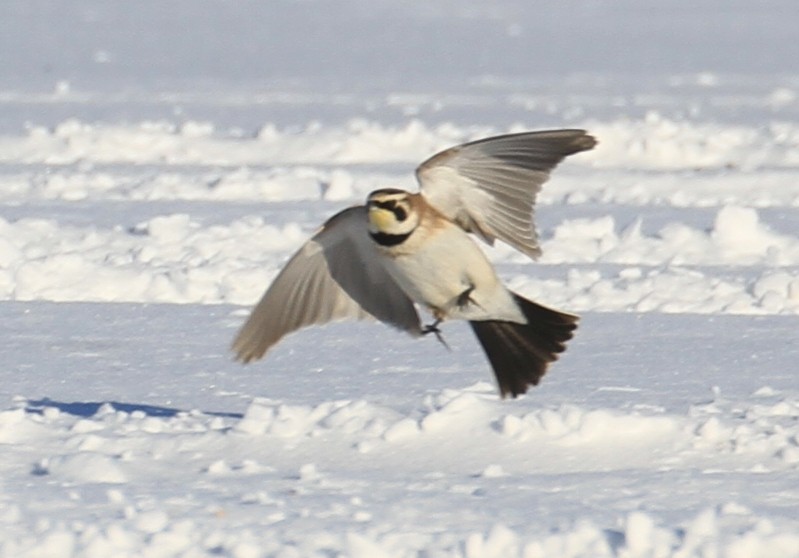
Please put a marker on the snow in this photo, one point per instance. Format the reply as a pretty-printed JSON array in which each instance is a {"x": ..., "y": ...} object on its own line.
[{"x": 160, "y": 163}]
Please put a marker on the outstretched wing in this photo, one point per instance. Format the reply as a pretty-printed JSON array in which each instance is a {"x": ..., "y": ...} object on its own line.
[
  {"x": 336, "y": 275},
  {"x": 488, "y": 187}
]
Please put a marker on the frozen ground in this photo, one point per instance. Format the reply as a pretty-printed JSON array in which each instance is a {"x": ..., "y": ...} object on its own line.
[{"x": 159, "y": 163}]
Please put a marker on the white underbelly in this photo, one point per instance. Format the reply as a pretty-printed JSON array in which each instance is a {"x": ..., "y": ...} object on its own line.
[{"x": 446, "y": 266}]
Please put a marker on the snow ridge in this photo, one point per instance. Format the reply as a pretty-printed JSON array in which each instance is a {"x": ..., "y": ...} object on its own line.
[{"x": 114, "y": 449}]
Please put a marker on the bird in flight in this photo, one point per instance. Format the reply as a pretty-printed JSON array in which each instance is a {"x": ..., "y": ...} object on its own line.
[{"x": 402, "y": 251}]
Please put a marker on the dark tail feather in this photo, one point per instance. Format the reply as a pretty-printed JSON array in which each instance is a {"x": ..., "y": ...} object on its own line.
[{"x": 520, "y": 353}]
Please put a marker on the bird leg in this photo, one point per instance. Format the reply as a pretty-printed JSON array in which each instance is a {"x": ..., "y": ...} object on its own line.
[
  {"x": 462, "y": 300},
  {"x": 433, "y": 328}
]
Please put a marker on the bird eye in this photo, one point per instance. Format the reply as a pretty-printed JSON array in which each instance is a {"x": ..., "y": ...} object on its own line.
[{"x": 400, "y": 213}]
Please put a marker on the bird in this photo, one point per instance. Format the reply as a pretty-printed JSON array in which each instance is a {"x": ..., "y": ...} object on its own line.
[{"x": 402, "y": 251}]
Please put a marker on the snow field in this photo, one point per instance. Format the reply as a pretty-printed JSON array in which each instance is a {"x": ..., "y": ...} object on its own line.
[
  {"x": 160, "y": 162},
  {"x": 740, "y": 265},
  {"x": 446, "y": 433},
  {"x": 382, "y": 459},
  {"x": 737, "y": 263},
  {"x": 654, "y": 142}
]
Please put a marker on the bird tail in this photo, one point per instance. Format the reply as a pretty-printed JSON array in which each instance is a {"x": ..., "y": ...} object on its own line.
[{"x": 520, "y": 353}]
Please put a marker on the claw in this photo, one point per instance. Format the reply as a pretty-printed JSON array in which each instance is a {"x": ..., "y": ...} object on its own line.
[{"x": 433, "y": 328}]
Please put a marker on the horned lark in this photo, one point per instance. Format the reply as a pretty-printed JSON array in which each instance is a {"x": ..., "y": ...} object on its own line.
[{"x": 402, "y": 250}]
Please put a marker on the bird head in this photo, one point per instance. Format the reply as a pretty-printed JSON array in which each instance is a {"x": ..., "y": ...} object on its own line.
[{"x": 391, "y": 212}]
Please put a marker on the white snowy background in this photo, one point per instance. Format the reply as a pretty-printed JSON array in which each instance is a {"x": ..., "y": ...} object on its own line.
[{"x": 160, "y": 161}]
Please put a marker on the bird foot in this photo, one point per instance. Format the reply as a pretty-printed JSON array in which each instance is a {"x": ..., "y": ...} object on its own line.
[{"x": 433, "y": 328}]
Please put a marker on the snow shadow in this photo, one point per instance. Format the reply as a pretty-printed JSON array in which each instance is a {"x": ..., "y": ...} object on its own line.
[{"x": 88, "y": 409}]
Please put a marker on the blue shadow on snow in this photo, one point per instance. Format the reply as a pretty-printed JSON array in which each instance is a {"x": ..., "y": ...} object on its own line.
[{"x": 89, "y": 408}]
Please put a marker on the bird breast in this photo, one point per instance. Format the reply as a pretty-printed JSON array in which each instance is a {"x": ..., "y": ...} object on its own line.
[{"x": 435, "y": 266}]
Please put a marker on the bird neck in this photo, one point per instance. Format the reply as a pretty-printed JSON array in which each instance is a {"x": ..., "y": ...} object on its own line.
[{"x": 386, "y": 239}]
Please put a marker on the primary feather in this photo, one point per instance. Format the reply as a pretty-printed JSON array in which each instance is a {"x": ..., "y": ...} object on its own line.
[
  {"x": 489, "y": 186},
  {"x": 336, "y": 275}
]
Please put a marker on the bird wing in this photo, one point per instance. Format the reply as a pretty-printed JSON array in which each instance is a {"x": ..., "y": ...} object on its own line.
[
  {"x": 336, "y": 275},
  {"x": 488, "y": 187}
]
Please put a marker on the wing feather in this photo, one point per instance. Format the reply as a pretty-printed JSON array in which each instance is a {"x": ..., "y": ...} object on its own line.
[
  {"x": 336, "y": 275},
  {"x": 489, "y": 186}
]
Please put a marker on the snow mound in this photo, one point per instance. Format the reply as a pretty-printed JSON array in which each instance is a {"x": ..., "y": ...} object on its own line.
[
  {"x": 193, "y": 143},
  {"x": 738, "y": 237},
  {"x": 448, "y": 432},
  {"x": 176, "y": 258},
  {"x": 83, "y": 467},
  {"x": 654, "y": 142},
  {"x": 658, "y": 142}
]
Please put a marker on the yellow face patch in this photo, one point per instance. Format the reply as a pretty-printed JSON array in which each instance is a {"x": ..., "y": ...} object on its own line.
[{"x": 381, "y": 219}]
